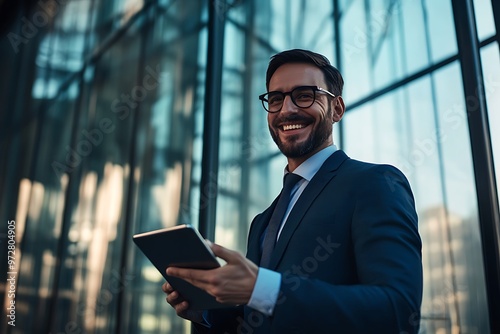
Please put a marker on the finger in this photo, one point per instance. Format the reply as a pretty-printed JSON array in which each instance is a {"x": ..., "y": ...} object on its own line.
[
  {"x": 181, "y": 308},
  {"x": 167, "y": 288},
  {"x": 202, "y": 279},
  {"x": 174, "y": 298},
  {"x": 226, "y": 254},
  {"x": 190, "y": 275}
]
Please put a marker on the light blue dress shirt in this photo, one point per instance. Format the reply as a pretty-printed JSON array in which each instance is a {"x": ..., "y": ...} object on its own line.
[{"x": 268, "y": 283}]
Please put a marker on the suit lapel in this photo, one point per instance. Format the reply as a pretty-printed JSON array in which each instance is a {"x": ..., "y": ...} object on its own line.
[{"x": 327, "y": 171}]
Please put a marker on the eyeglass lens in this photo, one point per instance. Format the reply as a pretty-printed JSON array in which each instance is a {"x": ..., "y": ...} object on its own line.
[{"x": 302, "y": 97}]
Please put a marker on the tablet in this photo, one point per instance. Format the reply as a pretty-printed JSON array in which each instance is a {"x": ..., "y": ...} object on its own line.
[{"x": 180, "y": 246}]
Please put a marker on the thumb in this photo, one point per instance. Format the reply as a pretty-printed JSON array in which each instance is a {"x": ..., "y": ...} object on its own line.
[{"x": 224, "y": 253}]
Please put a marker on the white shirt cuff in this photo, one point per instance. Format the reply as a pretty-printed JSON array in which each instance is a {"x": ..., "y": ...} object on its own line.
[{"x": 265, "y": 292}]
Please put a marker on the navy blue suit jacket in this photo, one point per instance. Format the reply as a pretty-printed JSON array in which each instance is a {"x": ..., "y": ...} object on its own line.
[{"x": 349, "y": 255}]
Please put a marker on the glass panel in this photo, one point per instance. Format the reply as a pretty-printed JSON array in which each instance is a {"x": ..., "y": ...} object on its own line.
[
  {"x": 382, "y": 41},
  {"x": 355, "y": 55},
  {"x": 439, "y": 18},
  {"x": 356, "y": 122},
  {"x": 92, "y": 261},
  {"x": 39, "y": 218},
  {"x": 462, "y": 278},
  {"x": 43, "y": 193},
  {"x": 168, "y": 155},
  {"x": 414, "y": 39},
  {"x": 491, "y": 73},
  {"x": 422, "y": 129},
  {"x": 301, "y": 24},
  {"x": 484, "y": 19},
  {"x": 140, "y": 102}
]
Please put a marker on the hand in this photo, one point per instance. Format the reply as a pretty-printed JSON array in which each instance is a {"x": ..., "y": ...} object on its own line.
[
  {"x": 180, "y": 305},
  {"x": 232, "y": 283}
]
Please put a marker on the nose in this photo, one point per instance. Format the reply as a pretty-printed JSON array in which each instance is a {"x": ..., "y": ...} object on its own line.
[{"x": 288, "y": 105}]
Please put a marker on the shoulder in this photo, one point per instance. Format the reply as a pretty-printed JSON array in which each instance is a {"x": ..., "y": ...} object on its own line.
[
  {"x": 349, "y": 165},
  {"x": 372, "y": 175}
]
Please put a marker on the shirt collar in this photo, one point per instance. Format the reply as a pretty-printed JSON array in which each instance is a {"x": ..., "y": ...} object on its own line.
[{"x": 310, "y": 167}]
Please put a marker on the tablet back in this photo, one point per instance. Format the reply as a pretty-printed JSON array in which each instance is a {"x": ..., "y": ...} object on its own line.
[{"x": 180, "y": 246}]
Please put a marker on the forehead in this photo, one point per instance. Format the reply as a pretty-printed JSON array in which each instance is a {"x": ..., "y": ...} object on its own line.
[{"x": 291, "y": 75}]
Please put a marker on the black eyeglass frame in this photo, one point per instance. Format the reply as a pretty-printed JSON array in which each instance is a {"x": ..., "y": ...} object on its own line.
[{"x": 315, "y": 89}]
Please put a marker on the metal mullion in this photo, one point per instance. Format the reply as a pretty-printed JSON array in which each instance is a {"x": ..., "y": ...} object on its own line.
[
  {"x": 262, "y": 41},
  {"x": 482, "y": 155},
  {"x": 402, "y": 82},
  {"x": 246, "y": 132},
  {"x": 211, "y": 121},
  {"x": 337, "y": 16}
]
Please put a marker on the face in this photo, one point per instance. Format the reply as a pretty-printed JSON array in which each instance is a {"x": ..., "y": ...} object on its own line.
[{"x": 301, "y": 132}]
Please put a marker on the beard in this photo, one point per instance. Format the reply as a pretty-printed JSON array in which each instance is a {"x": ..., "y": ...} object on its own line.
[{"x": 319, "y": 135}]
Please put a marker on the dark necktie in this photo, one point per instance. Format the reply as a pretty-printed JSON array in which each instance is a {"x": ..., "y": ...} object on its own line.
[{"x": 275, "y": 222}]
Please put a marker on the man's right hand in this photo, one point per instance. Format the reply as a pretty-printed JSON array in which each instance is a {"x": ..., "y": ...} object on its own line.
[{"x": 181, "y": 306}]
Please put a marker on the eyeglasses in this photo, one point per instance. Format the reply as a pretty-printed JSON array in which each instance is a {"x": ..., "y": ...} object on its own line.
[{"x": 302, "y": 97}]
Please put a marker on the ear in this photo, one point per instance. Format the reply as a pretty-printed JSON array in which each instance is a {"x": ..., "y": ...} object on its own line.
[{"x": 338, "y": 109}]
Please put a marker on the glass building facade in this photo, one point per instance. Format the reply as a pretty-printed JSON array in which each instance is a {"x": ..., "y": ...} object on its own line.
[{"x": 124, "y": 116}]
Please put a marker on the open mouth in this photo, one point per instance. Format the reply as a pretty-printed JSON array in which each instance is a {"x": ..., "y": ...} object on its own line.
[
  {"x": 292, "y": 123},
  {"x": 293, "y": 127}
]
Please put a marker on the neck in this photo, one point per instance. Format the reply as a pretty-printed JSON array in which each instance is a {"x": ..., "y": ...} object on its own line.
[{"x": 294, "y": 162}]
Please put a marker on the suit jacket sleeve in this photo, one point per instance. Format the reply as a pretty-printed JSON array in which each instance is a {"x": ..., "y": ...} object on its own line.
[{"x": 386, "y": 250}]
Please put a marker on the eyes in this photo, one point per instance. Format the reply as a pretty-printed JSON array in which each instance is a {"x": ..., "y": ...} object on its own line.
[
  {"x": 300, "y": 95},
  {"x": 275, "y": 98}
]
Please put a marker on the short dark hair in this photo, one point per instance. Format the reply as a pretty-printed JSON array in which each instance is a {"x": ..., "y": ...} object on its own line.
[{"x": 332, "y": 76}]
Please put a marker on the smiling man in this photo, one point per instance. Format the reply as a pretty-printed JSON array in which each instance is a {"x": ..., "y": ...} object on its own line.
[
  {"x": 302, "y": 124},
  {"x": 338, "y": 251}
]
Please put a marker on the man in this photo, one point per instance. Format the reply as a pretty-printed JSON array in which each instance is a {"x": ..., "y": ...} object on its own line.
[{"x": 348, "y": 254}]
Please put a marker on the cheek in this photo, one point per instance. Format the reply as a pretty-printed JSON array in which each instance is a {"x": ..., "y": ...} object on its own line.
[
  {"x": 324, "y": 110},
  {"x": 324, "y": 113},
  {"x": 270, "y": 119},
  {"x": 330, "y": 113}
]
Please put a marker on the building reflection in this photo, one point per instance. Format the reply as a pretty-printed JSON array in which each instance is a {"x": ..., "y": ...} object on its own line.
[{"x": 454, "y": 294}]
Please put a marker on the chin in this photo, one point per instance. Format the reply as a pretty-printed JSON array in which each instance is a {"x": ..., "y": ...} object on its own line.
[{"x": 296, "y": 150}]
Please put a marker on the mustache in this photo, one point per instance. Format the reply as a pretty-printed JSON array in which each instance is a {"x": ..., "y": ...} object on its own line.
[{"x": 290, "y": 119}]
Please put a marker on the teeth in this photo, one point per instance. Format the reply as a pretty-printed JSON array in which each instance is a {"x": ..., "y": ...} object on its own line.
[{"x": 292, "y": 127}]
